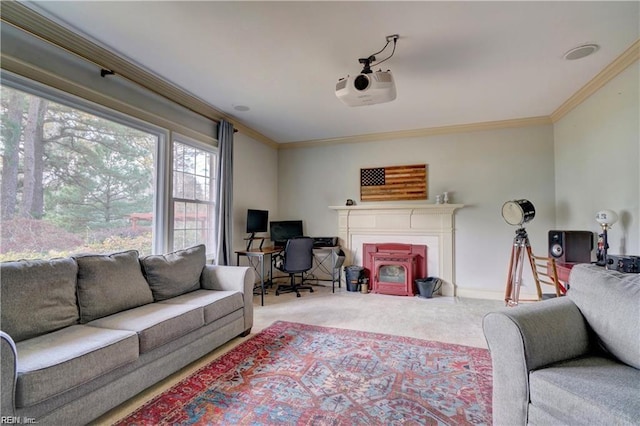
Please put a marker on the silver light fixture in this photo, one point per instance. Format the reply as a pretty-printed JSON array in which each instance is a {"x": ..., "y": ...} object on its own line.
[{"x": 606, "y": 218}]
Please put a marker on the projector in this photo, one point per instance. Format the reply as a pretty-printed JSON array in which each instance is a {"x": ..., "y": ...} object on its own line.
[{"x": 366, "y": 88}]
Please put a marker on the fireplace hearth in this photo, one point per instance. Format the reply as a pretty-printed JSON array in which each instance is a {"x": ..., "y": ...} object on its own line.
[
  {"x": 394, "y": 267},
  {"x": 432, "y": 225}
]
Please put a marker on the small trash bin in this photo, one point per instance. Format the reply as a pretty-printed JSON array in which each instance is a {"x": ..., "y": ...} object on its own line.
[
  {"x": 353, "y": 275},
  {"x": 428, "y": 286}
]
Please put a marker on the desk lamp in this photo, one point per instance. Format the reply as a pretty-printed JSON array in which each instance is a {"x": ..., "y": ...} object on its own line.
[{"x": 605, "y": 218}]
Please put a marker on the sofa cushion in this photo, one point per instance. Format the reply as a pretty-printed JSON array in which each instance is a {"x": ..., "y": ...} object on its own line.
[
  {"x": 610, "y": 303},
  {"x": 110, "y": 283},
  {"x": 216, "y": 303},
  {"x": 61, "y": 360},
  {"x": 591, "y": 390},
  {"x": 38, "y": 296},
  {"x": 175, "y": 273},
  {"x": 156, "y": 324}
]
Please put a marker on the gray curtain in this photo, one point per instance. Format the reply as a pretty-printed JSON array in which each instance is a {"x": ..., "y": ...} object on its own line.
[{"x": 224, "y": 194}]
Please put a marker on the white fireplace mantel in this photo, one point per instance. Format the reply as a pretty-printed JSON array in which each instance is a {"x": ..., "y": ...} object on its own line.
[{"x": 428, "y": 224}]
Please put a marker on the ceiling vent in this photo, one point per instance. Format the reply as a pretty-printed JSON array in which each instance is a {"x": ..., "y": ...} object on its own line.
[{"x": 581, "y": 51}]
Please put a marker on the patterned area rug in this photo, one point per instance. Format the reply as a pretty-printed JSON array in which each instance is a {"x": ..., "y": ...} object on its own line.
[{"x": 300, "y": 374}]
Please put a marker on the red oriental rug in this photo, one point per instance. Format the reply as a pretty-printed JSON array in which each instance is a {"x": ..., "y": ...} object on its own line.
[{"x": 298, "y": 374}]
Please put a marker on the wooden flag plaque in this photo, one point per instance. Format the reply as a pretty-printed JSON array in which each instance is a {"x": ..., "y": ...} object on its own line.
[{"x": 394, "y": 183}]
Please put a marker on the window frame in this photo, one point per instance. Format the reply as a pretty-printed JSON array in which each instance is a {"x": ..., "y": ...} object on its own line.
[
  {"x": 162, "y": 241},
  {"x": 213, "y": 150}
]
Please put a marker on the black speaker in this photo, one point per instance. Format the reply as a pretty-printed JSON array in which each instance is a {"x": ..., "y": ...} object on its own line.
[{"x": 571, "y": 246}]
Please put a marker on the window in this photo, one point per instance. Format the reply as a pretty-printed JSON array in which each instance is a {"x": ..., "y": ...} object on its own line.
[
  {"x": 77, "y": 178},
  {"x": 193, "y": 194}
]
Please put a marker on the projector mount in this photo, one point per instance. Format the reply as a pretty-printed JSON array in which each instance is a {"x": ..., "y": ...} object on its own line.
[{"x": 367, "y": 62}]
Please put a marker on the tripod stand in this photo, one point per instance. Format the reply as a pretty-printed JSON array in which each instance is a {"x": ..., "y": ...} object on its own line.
[{"x": 516, "y": 263}]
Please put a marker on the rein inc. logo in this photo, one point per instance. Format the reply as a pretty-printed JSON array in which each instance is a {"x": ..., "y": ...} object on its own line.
[{"x": 17, "y": 420}]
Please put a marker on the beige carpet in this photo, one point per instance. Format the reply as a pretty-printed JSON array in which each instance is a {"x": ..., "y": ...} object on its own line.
[{"x": 445, "y": 319}]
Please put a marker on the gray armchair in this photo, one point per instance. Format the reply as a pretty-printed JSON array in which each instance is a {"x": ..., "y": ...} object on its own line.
[{"x": 572, "y": 360}]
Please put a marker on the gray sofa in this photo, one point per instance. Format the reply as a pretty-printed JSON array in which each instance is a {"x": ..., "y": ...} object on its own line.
[
  {"x": 81, "y": 335},
  {"x": 574, "y": 360}
]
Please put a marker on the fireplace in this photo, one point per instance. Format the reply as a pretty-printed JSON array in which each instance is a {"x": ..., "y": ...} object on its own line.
[
  {"x": 431, "y": 225},
  {"x": 393, "y": 267}
]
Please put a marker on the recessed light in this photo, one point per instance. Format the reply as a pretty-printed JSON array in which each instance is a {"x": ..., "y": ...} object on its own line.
[
  {"x": 241, "y": 108},
  {"x": 581, "y": 51}
]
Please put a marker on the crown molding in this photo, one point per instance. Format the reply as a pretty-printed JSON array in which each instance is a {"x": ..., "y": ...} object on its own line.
[
  {"x": 28, "y": 20},
  {"x": 21, "y": 68},
  {"x": 416, "y": 133},
  {"x": 622, "y": 62}
]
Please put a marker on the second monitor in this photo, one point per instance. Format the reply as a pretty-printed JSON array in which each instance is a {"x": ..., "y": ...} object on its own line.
[{"x": 283, "y": 230}]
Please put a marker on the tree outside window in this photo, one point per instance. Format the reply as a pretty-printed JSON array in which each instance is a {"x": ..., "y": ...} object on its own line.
[
  {"x": 72, "y": 181},
  {"x": 193, "y": 196}
]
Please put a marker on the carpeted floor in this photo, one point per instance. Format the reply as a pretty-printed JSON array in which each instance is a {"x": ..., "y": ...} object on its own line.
[{"x": 293, "y": 373}]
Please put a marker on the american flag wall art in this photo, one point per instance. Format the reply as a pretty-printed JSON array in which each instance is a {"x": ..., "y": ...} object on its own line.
[{"x": 394, "y": 183}]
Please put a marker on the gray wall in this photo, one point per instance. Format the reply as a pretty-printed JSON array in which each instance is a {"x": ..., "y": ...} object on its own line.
[
  {"x": 585, "y": 162},
  {"x": 597, "y": 151},
  {"x": 481, "y": 170},
  {"x": 255, "y": 183}
]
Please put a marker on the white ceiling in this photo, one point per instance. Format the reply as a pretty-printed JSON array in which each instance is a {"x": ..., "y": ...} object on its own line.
[{"x": 455, "y": 62}]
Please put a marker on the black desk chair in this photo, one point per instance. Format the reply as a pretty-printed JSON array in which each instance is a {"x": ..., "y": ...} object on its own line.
[{"x": 296, "y": 259}]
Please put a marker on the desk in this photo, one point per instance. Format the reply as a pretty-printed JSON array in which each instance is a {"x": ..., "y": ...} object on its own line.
[
  {"x": 259, "y": 254},
  {"x": 325, "y": 261}
]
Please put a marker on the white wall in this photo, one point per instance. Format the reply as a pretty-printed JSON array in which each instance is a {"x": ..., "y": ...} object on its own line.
[
  {"x": 597, "y": 151},
  {"x": 481, "y": 170},
  {"x": 255, "y": 183}
]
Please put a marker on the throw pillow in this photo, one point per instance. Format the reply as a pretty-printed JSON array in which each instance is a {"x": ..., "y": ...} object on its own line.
[
  {"x": 176, "y": 273},
  {"x": 110, "y": 283},
  {"x": 38, "y": 296}
]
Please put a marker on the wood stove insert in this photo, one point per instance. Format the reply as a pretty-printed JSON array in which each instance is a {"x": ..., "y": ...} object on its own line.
[{"x": 393, "y": 267}]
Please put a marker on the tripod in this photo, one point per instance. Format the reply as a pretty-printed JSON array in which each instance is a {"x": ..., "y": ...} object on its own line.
[{"x": 516, "y": 263}]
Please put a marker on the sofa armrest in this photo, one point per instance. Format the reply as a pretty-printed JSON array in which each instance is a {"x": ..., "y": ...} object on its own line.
[
  {"x": 235, "y": 278},
  {"x": 8, "y": 374},
  {"x": 524, "y": 338}
]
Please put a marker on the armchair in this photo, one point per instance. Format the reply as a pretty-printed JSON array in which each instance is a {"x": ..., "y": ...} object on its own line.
[
  {"x": 572, "y": 360},
  {"x": 296, "y": 259}
]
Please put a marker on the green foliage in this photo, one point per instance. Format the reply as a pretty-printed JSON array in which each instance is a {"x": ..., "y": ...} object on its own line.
[
  {"x": 96, "y": 172},
  {"x": 142, "y": 243},
  {"x": 101, "y": 171}
]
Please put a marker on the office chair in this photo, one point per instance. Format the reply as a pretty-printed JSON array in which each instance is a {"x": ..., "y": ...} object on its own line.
[{"x": 296, "y": 259}]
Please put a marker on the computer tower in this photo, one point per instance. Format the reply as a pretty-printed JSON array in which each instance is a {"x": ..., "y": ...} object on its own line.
[{"x": 571, "y": 246}]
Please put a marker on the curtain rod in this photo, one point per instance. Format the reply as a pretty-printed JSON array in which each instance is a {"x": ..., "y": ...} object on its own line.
[{"x": 28, "y": 20}]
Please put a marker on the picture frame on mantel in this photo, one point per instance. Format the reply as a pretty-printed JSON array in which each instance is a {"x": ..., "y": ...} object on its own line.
[{"x": 394, "y": 183}]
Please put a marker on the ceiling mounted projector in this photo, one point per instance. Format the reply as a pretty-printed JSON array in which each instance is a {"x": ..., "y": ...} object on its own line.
[
  {"x": 366, "y": 89},
  {"x": 369, "y": 87}
]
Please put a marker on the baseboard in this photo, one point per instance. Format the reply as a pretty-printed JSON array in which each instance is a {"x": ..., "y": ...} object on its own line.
[{"x": 487, "y": 294}]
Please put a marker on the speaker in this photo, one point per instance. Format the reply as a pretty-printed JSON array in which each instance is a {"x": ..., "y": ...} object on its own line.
[{"x": 571, "y": 246}]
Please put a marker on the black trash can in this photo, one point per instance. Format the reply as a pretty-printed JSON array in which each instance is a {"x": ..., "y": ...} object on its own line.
[
  {"x": 428, "y": 286},
  {"x": 353, "y": 276}
]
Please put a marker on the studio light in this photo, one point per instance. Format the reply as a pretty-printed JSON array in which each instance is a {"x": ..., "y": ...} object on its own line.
[{"x": 518, "y": 212}]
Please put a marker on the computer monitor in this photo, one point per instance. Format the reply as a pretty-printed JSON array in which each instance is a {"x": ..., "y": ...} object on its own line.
[
  {"x": 283, "y": 230},
  {"x": 257, "y": 221}
]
